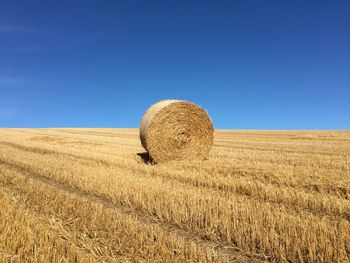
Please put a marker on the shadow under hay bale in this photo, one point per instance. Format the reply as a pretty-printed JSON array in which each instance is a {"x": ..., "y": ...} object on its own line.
[{"x": 145, "y": 157}]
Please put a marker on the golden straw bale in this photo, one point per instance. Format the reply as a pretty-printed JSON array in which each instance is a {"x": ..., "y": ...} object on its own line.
[{"x": 176, "y": 130}]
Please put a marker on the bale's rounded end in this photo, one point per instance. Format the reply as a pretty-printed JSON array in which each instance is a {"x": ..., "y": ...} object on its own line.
[{"x": 176, "y": 130}]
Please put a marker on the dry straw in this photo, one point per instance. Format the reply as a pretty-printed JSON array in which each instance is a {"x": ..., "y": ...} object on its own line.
[{"x": 176, "y": 130}]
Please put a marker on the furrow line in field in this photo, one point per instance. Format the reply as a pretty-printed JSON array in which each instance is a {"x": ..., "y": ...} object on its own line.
[
  {"x": 64, "y": 132},
  {"x": 290, "y": 198},
  {"x": 53, "y": 134},
  {"x": 269, "y": 220},
  {"x": 251, "y": 225},
  {"x": 104, "y": 231},
  {"x": 20, "y": 227},
  {"x": 279, "y": 150},
  {"x": 97, "y": 133},
  {"x": 142, "y": 216},
  {"x": 337, "y": 191}
]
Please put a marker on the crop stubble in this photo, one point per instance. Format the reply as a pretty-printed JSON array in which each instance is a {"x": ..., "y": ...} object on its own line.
[{"x": 86, "y": 195}]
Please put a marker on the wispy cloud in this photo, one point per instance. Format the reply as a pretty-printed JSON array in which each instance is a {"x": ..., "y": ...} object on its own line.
[
  {"x": 18, "y": 93},
  {"x": 8, "y": 113},
  {"x": 22, "y": 45},
  {"x": 19, "y": 81},
  {"x": 24, "y": 49},
  {"x": 10, "y": 81},
  {"x": 16, "y": 29}
]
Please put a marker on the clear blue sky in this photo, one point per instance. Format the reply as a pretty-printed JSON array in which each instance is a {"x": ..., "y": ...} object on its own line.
[{"x": 251, "y": 64}]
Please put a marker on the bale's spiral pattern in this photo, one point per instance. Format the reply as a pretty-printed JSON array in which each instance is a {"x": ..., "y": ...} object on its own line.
[{"x": 176, "y": 130}]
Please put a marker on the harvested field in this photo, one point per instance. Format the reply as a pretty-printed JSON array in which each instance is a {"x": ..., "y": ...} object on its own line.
[{"x": 89, "y": 195}]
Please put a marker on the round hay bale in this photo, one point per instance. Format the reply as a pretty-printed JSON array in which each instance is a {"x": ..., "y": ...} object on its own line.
[{"x": 176, "y": 130}]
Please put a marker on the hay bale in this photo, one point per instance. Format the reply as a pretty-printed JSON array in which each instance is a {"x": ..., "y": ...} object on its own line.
[{"x": 176, "y": 130}]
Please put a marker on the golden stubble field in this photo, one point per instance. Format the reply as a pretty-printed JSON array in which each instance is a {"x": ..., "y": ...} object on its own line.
[{"x": 87, "y": 195}]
